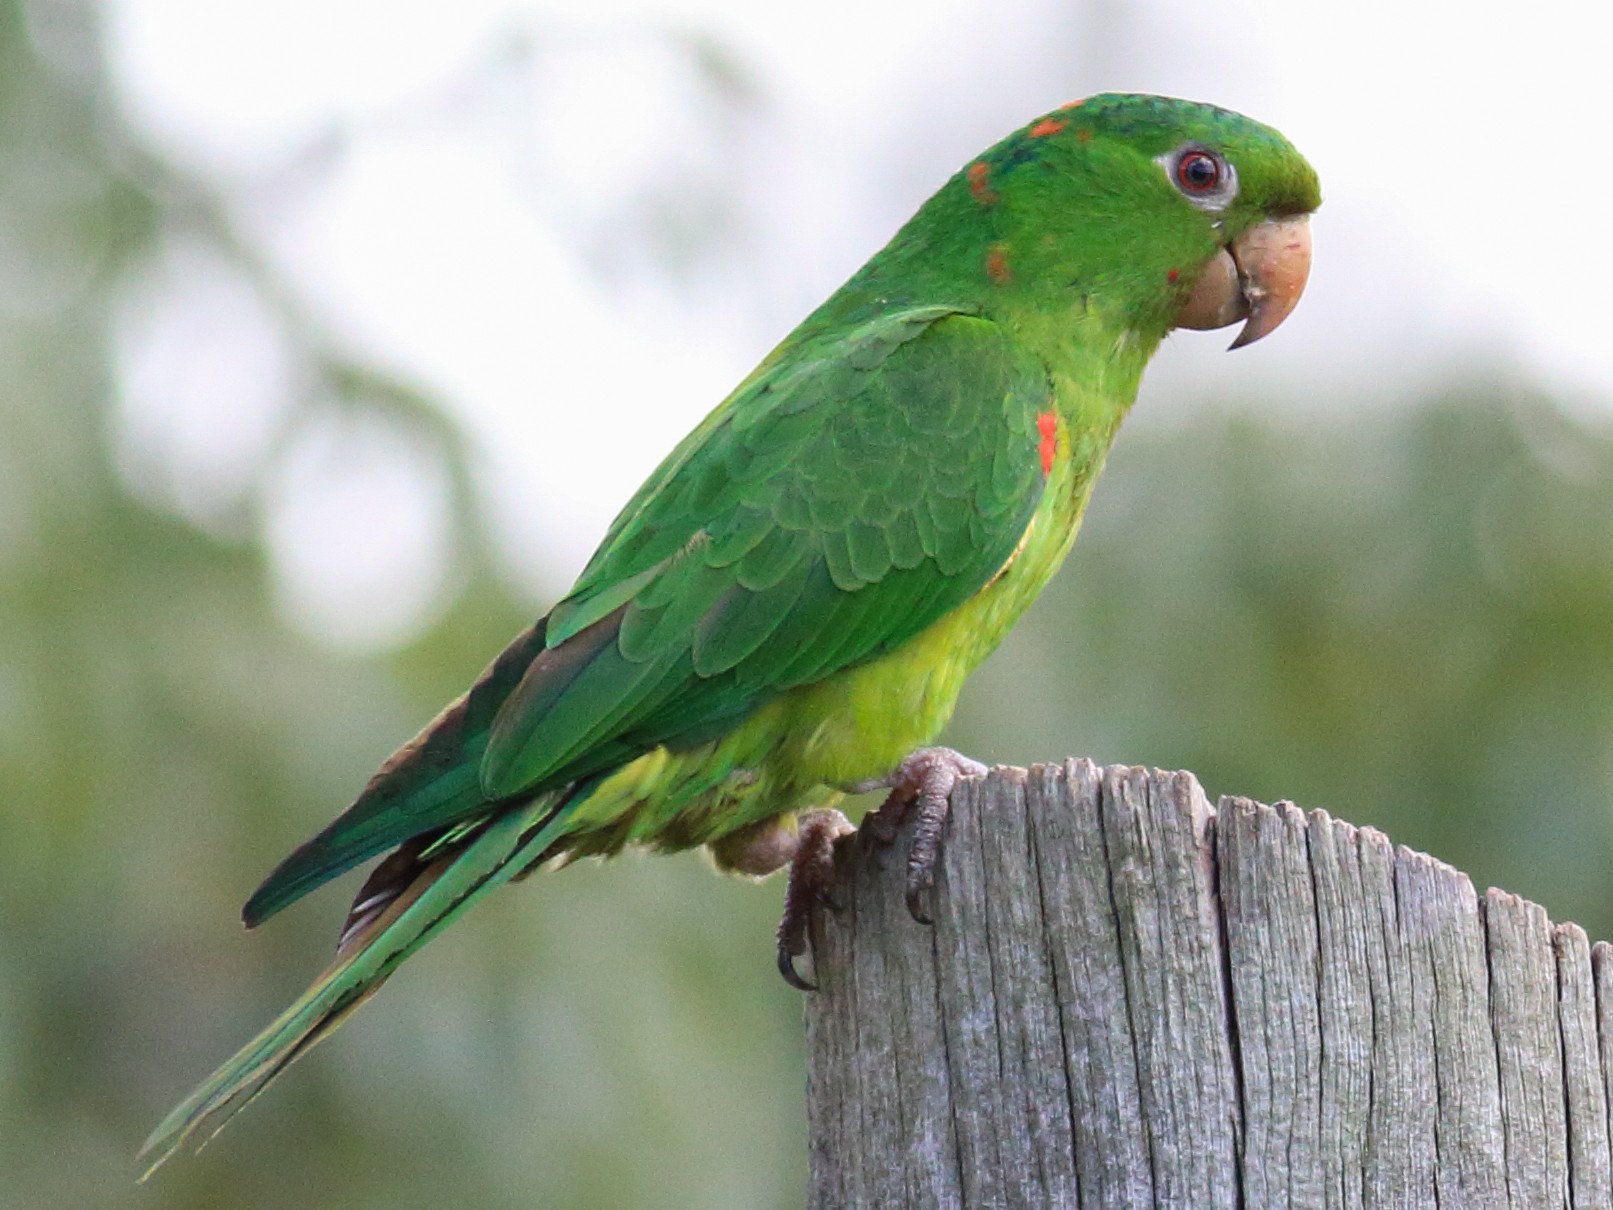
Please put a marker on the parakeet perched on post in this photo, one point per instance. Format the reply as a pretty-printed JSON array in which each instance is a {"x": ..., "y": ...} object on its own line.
[{"x": 787, "y": 609}]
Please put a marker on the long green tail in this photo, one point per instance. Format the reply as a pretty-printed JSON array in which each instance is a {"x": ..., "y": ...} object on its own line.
[{"x": 508, "y": 845}]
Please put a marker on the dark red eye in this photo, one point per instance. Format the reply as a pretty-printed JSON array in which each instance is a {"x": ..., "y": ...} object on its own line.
[{"x": 1198, "y": 172}]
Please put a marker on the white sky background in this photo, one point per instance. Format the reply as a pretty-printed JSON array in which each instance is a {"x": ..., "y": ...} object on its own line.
[{"x": 459, "y": 191}]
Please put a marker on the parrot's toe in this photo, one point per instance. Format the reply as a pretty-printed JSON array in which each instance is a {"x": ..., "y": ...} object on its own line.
[
  {"x": 811, "y": 883},
  {"x": 920, "y": 790}
]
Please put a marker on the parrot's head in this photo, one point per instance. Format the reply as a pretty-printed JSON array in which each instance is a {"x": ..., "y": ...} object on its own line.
[{"x": 1163, "y": 213}]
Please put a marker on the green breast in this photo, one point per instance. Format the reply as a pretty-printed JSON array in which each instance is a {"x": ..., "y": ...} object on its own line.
[{"x": 862, "y": 722}]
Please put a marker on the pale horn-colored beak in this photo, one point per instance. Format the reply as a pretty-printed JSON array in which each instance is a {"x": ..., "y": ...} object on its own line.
[{"x": 1258, "y": 279}]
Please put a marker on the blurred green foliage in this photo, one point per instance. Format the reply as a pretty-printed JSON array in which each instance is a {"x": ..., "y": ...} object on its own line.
[{"x": 1401, "y": 616}]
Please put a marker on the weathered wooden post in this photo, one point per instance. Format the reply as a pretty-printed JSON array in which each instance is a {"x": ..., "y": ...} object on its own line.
[{"x": 1130, "y": 999}]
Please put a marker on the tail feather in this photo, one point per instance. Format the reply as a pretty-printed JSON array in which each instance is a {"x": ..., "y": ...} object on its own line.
[
  {"x": 433, "y": 781},
  {"x": 369, "y": 953}
]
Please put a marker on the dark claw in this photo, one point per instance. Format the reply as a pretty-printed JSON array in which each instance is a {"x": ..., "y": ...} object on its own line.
[
  {"x": 882, "y": 823},
  {"x": 880, "y": 826},
  {"x": 792, "y": 939},
  {"x": 915, "y": 902},
  {"x": 811, "y": 883},
  {"x": 879, "y": 851},
  {"x": 786, "y": 967},
  {"x": 836, "y": 899}
]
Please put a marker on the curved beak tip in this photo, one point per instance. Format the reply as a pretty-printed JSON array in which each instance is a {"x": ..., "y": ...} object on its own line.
[{"x": 1274, "y": 262}]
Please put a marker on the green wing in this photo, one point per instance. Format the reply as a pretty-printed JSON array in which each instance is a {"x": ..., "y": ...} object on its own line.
[
  {"x": 854, "y": 490},
  {"x": 836, "y": 506}
]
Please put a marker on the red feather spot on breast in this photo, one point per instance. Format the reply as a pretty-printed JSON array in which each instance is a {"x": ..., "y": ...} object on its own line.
[
  {"x": 980, "y": 183},
  {"x": 1047, "y": 424},
  {"x": 997, "y": 264},
  {"x": 1173, "y": 275},
  {"x": 1046, "y": 127}
]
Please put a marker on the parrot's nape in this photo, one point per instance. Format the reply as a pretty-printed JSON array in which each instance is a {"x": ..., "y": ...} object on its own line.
[{"x": 787, "y": 609}]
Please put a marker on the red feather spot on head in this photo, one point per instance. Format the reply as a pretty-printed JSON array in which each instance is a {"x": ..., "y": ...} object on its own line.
[
  {"x": 1046, "y": 127},
  {"x": 1173, "y": 275},
  {"x": 1047, "y": 424},
  {"x": 979, "y": 183},
  {"x": 997, "y": 263},
  {"x": 1073, "y": 104}
]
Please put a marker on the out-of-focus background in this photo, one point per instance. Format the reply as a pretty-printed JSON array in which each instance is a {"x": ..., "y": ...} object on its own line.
[{"x": 332, "y": 334}]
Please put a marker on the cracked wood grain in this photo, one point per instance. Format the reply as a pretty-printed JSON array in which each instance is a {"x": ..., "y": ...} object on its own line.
[{"x": 1130, "y": 999}]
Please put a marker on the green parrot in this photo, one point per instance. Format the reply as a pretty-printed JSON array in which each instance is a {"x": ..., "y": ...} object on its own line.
[{"x": 787, "y": 609}]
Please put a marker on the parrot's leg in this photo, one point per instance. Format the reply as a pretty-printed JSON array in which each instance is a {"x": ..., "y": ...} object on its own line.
[
  {"x": 812, "y": 873},
  {"x": 920, "y": 789},
  {"x": 806, "y": 845}
]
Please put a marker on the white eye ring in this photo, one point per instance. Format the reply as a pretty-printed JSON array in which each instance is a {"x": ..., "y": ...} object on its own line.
[{"x": 1202, "y": 176}]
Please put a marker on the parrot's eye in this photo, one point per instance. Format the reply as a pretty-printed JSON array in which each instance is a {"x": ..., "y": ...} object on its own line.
[
  {"x": 1202, "y": 176},
  {"x": 1198, "y": 172}
]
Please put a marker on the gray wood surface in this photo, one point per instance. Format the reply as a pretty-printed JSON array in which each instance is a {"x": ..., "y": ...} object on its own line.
[{"x": 1130, "y": 999}]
